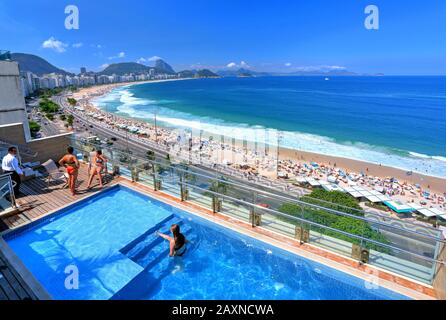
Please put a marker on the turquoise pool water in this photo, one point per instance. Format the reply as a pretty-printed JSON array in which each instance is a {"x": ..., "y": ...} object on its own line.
[{"x": 111, "y": 240}]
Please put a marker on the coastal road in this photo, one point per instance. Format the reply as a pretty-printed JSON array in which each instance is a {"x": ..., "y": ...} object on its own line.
[{"x": 48, "y": 128}]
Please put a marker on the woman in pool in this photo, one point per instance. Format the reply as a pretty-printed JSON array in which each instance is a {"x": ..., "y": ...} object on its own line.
[
  {"x": 70, "y": 162},
  {"x": 98, "y": 164},
  {"x": 177, "y": 243}
]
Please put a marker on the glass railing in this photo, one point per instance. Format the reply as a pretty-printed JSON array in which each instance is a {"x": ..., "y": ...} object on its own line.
[
  {"x": 401, "y": 247},
  {"x": 7, "y": 200}
]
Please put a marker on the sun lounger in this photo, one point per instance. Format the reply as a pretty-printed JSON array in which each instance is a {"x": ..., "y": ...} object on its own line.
[{"x": 54, "y": 174}]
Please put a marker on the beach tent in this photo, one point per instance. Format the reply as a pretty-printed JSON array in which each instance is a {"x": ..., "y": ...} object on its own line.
[
  {"x": 332, "y": 179},
  {"x": 313, "y": 182},
  {"x": 332, "y": 187},
  {"x": 399, "y": 207},
  {"x": 360, "y": 192},
  {"x": 431, "y": 212}
]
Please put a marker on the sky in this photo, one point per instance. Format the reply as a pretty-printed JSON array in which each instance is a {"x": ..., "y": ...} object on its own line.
[{"x": 282, "y": 36}]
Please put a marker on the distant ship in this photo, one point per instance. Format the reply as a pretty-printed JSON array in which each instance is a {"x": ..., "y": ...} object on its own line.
[{"x": 327, "y": 79}]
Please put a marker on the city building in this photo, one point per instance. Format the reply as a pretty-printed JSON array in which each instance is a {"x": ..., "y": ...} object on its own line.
[
  {"x": 12, "y": 107},
  {"x": 14, "y": 126}
]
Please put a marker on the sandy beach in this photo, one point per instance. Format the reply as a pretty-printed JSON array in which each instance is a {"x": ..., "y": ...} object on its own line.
[
  {"x": 435, "y": 184},
  {"x": 97, "y": 91},
  {"x": 412, "y": 188}
]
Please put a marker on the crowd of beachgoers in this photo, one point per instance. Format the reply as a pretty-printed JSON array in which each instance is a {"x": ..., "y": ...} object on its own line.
[
  {"x": 402, "y": 191},
  {"x": 253, "y": 162}
]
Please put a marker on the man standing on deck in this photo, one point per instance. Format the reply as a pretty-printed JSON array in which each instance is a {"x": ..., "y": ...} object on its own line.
[{"x": 10, "y": 165}]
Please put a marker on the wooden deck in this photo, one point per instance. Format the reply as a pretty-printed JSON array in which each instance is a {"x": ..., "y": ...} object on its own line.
[
  {"x": 39, "y": 199},
  {"x": 12, "y": 286}
]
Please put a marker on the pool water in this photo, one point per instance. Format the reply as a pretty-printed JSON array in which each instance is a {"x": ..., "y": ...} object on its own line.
[{"x": 111, "y": 240}]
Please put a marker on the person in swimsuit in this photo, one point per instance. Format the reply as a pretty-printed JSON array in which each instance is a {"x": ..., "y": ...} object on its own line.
[
  {"x": 177, "y": 243},
  {"x": 99, "y": 164},
  {"x": 70, "y": 162}
]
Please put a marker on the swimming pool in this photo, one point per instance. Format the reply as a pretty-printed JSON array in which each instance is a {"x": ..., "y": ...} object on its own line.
[{"x": 110, "y": 239}]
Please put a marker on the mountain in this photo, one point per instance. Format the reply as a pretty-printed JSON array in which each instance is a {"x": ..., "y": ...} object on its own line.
[
  {"x": 162, "y": 67},
  {"x": 187, "y": 74},
  {"x": 250, "y": 73},
  {"x": 206, "y": 73},
  {"x": 202, "y": 73},
  {"x": 125, "y": 68},
  {"x": 122, "y": 68},
  {"x": 36, "y": 65},
  {"x": 242, "y": 73},
  {"x": 319, "y": 73}
]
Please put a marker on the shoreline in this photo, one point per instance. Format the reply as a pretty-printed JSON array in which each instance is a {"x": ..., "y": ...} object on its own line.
[
  {"x": 104, "y": 89},
  {"x": 428, "y": 183}
]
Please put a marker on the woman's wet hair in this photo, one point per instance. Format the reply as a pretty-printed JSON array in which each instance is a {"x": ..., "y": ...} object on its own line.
[
  {"x": 70, "y": 150},
  {"x": 99, "y": 152},
  {"x": 175, "y": 230}
]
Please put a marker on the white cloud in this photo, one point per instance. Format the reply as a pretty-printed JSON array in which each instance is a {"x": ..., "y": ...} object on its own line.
[
  {"x": 77, "y": 45},
  {"x": 242, "y": 64},
  {"x": 288, "y": 64},
  {"x": 105, "y": 65},
  {"x": 335, "y": 67},
  {"x": 154, "y": 58},
  {"x": 55, "y": 45},
  {"x": 120, "y": 55},
  {"x": 320, "y": 68},
  {"x": 141, "y": 60}
]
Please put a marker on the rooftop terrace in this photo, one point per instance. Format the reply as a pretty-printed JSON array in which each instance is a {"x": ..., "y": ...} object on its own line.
[{"x": 40, "y": 199}]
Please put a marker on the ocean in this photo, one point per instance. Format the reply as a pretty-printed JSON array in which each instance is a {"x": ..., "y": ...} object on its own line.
[{"x": 393, "y": 121}]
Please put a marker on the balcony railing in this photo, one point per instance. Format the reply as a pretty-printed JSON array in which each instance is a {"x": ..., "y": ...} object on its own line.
[
  {"x": 404, "y": 248},
  {"x": 7, "y": 200}
]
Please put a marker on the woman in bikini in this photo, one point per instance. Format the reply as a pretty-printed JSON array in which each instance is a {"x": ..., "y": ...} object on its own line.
[
  {"x": 177, "y": 244},
  {"x": 98, "y": 164},
  {"x": 70, "y": 162}
]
